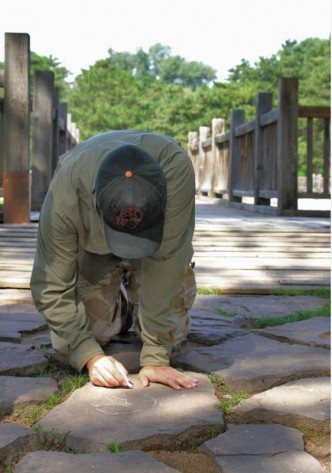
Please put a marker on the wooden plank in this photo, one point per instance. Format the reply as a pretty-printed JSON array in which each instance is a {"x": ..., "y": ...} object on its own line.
[
  {"x": 243, "y": 193},
  {"x": 323, "y": 252},
  {"x": 307, "y": 111},
  {"x": 314, "y": 195},
  {"x": 258, "y": 255},
  {"x": 223, "y": 138},
  {"x": 9, "y": 243},
  {"x": 272, "y": 231},
  {"x": 233, "y": 242},
  {"x": 18, "y": 227},
  {"x": 245, "y": 128},
  {"x": 270, "y": 117},
  {"x": 206, "y": 145}
]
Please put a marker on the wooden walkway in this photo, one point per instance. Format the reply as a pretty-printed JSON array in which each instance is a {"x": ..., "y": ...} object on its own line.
[{"x": 235, "y": 250}]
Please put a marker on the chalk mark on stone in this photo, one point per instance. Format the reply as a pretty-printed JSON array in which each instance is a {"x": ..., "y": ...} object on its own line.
[{"x": 115, "y": 405}]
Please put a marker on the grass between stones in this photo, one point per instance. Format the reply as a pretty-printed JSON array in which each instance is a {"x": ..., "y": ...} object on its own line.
[
  {"x": 30, "y": 415},
  {"x": 300, "y": 314},
  {"x": 274, "y": 321},
  {"x": 227, "y": 397},
  {"x": 210, "y": 291},
  {"x": 278, "y": 291},
  {"x": 296, "y": 317},
  {"x": 317, "y": 438}
]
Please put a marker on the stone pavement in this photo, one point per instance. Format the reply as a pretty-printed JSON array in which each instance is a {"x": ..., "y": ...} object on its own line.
[{"x": 284, "y": 371}]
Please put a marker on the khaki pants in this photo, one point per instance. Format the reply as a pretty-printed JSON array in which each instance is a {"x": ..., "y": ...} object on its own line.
[{"x": 109, "y": 290}]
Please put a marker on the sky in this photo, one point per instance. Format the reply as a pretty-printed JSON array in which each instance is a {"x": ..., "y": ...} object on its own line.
[{"x": 219, "y": 33}]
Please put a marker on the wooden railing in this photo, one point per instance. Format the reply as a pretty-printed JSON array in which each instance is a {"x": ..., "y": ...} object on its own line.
[
  {"x": 257, "y": 160},
  {"x": 28, "y": 157}
]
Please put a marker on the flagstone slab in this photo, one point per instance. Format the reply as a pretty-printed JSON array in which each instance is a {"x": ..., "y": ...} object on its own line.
[
  {"x": 252, "y": 448},
  {"x": 13, "y": 337},
  {"x": 15, "y": 438},
  {"x": 53, "y": 462},
  {"x": 301, "y": 403},
  {"x": 22, "y": 391},
  {"x": 20, "y": 360},
  {"x": 211, "y": 329},
  {"x": 253, "y": 363},
  {"x": 256, "y": 307},
  {"x": 200, "y": 318},
  {"x": 315, "y": 332},
  {"x": 213, "y": 336},
  {"x": 290, "y": 462},
  {"x": 255, "y": 439},
  {"x": 18, "y": 319},
  {"x": 143, "y": 418}
]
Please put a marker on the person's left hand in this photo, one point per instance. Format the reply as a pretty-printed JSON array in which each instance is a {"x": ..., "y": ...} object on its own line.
[{"x": 166, "y": 375}]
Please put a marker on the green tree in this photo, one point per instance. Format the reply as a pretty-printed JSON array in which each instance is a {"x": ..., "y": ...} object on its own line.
[
  {"x": 107, "y": 97},
  {"x": 160, "y": 64},
  {"x": 159, "y": 92},
  {"x": 43, "y": 63}
]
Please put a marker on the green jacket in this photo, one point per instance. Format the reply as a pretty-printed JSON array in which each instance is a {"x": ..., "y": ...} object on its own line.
[{"x": 69, "y": 220}]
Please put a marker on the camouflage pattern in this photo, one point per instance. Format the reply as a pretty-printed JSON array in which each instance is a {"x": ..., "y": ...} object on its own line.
[{"x": 109, "y": 290}]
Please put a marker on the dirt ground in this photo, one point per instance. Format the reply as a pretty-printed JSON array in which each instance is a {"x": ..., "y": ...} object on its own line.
[{"x": 187, "y": 462}]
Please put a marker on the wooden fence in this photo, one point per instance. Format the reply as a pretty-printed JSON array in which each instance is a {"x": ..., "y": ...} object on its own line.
[
  {"x": 258, "y": 159},
  {"x": 25, "y": 181}
]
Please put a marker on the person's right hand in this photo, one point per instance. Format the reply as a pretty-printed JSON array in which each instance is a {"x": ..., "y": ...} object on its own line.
[{"x": 106, "y": 371}]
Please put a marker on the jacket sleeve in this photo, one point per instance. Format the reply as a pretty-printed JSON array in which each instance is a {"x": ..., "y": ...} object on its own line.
[
  {"x": 163, "y": 274},
  {"x": 53, "y": 286}
]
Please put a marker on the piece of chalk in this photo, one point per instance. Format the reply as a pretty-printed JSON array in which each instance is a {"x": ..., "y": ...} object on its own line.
[{"x": 128, "y": 383}]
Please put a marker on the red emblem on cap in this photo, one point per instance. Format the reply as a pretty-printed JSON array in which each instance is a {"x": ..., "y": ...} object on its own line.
[{"x": 129, "y": 218}]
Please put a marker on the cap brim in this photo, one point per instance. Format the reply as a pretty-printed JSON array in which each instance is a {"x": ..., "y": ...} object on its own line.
[{"x": 135, "y": 245}]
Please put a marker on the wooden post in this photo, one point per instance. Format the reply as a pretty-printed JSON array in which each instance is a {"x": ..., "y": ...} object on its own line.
[
  {"x": 42, "y": 137},
  {"x": 63, "y": 113},
  {"x": 55, "y": 131},
  {"x": 2, "y": 83},
  {"x": 217, "y": 128},
  {"x": 263, "y": 105},
  {"x": 326, "y": 151},
  {"x": 1, "y": 143},
  {"x": 204, "y": 134},
  {"x": 69, "y": 128},
  {"x": 287, "y": 145},
  {"x": 237, "y": 118},
  {"x": 309, "y": 153},
  {"x": 193, "y": 153},
  {"x": 16, "y": 178}
]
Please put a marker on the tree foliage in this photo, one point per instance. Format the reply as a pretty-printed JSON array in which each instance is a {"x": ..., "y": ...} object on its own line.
[
  {"x": 44, "y": 63},
  {"x": 156, "y": 91},
  {"x": 160, "y": 64}
]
